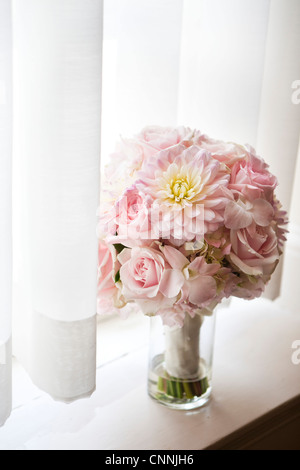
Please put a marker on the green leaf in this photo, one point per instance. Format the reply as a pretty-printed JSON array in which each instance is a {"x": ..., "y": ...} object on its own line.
[
  {"x": 119, "y": 247},
  {"x": 117, "y": 277}
]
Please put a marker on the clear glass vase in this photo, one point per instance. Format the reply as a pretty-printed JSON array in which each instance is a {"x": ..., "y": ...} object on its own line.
[{"x": 180, "y": 362}]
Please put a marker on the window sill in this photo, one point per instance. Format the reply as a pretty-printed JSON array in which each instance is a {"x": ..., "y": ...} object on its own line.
[{"x": 256, "y": 394}]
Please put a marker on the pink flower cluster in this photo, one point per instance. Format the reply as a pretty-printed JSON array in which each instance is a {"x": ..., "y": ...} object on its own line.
[{"x": 185, "y": 222}]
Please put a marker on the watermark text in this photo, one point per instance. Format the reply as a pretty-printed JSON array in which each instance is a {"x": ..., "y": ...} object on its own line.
[
  {"x": 296, "y": 93},
  {"x": 296, "y": 353}
]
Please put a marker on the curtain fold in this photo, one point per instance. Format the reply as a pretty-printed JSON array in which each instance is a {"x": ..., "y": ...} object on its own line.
[
  {"x": 5, "y": 207},
  {"x": 142, "y": 40},
  {"x": 279, "y": 119},
  {"x": 57, "y": 105},
  {"x": 289, "y": 290},
  {"x": 221, "y": 67}
]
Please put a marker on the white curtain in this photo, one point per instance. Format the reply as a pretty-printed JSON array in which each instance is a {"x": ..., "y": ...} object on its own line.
[
  {"x": 279, "y": 119},
  {"x": 224, "y": 66},
  {"x": 57, "y": 61},
  {"x": 142, "y": 41},
  {"x": 5, "y": 207},
  {"x": 57, "y": 85}
]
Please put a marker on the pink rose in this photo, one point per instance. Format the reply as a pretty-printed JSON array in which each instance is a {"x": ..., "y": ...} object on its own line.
[
  {"x": 254, "y": 250},
  {"x": 108, "y": 291},
  {"x": 156, "y": 138},
  {"x": 225, "y": 152},
  {"x": 251, "y": 178},
  {"x": 132, "y": 219},
  {"x": 141, "y": 274}
]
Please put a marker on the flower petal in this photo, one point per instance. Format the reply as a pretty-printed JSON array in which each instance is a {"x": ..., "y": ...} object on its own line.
[
  {"x": 174, "y": 257},
  {"x": 171, "y": 283},
  {"x": 124, "y": 256},
  {"x": 245, "y": 268},
  {"x": 202, "y": 290},
  {"x": 263, "y": 212},
  {"x": 236, "y": 216}
]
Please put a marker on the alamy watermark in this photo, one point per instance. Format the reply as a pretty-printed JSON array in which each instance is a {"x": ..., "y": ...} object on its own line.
[
  {"x": 296, "y": 353},
  {"x": 132, "y": 221},
  {"x": 296, "y": 93}
]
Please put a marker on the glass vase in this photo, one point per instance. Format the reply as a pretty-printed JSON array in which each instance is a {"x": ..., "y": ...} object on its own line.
[{"x": 180, "y": 362}]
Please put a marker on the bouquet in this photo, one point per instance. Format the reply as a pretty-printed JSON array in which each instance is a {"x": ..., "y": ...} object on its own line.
[{"x": 185, "y": 221}]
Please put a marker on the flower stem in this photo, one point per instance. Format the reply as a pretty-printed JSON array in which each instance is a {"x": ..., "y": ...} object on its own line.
[{"x": 176, "y": 388}]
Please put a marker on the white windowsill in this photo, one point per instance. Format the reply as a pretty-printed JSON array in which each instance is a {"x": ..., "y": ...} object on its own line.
[{"x": 256, "y": 396}]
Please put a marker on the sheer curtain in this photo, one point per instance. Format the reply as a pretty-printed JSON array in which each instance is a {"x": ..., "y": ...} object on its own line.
[
  {"x": 57, "y": 62},
  {"x": 141, "y": 52},
  {"x": 224, "y": 66},
  {"x": 279, "y": 119},
  {"x": 5, "y": 207},
  {"x": 57, "y": 86}
]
